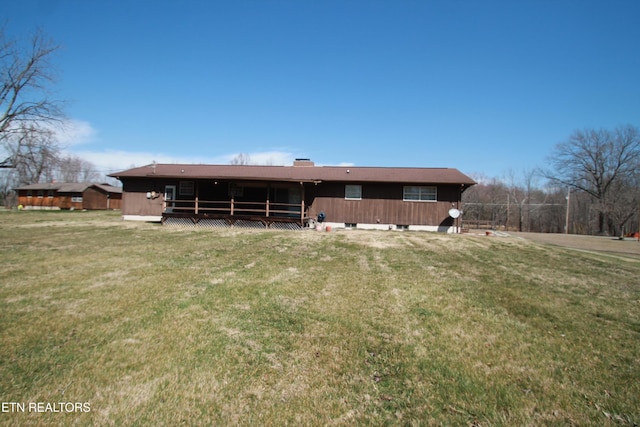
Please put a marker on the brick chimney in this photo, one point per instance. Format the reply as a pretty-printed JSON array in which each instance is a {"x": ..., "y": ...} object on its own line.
[{"x": 303, "y": 162}]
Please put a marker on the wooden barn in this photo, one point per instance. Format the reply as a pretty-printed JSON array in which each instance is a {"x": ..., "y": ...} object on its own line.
[
  {"x": 292, "y": 197},
  {"x": 58, "y": 195}
]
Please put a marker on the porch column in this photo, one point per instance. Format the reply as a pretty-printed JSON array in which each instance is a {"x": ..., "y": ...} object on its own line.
[
  {"x": 197, "y": 188},
  {"x": 267, "y": 205},
  {"x": 302, "y": 204}
]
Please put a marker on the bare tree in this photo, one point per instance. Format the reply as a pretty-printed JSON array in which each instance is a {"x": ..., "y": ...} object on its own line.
[
  {"x": 34, "y": 153},
  {"x": 7, "y": 184},
  {"x": 596, "y": 162},
  {"x": 520, "y": 203},
  {"x": 240, "y": 159},
  {"x": 27, "y": 143},
  {"x": 520, "y": 193},
  {"x": 25, "y": 75},
  {"x": 28, "y": 114},
  {"x": 76, "y": 169},
  {"x": 626, "y": 193},
  {"x": 547, "y": 209},
  {"x": 485, "y": 203}
]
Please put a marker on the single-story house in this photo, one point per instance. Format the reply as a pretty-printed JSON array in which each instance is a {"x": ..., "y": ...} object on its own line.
[
  {"x": 293, "y": 197},
  {"x": 60, "y": 195}
]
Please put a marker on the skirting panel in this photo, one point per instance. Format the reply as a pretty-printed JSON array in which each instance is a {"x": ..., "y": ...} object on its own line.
[
  {"x": 211, "y": 223},
  {"x": 247, "y": 223},
  {"x": 178, "y": 222}
]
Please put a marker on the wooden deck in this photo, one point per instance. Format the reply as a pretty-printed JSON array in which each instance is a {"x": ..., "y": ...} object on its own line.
[
  {"x": 230, "y": 213},
  {"x": 229, "y": 221}
]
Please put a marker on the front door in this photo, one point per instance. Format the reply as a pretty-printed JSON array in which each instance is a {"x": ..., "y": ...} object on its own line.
[{"x": 169, "y": 198}]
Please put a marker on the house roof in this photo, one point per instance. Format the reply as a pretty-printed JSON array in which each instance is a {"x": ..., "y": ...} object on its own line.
[
  {"x": 108, "y": 188},
  {"x": 42, "y": 186},
  {"x": 300, "y": 173},
  {"x": 70, "y": 187}
]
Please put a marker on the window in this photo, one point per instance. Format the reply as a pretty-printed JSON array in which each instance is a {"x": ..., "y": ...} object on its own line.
[
  {"x": 29, "y": 193},
  {"x": 235, "y": 190},
  {"x": 50, "y": 194},
  {"x": 186, "y": 188},
  {"x": 353, "y": 192},
  {"x": 40, "y": 194},
  {"x": 76, "y": 199},
  {"x": 419, "y": 194}
]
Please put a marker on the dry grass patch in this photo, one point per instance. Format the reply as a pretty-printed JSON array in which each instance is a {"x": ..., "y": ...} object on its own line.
[{"x": 157, "y": 326}]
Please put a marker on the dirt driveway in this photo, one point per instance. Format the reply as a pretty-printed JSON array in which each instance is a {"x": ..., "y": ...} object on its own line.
[{"x": 612, "y": 245}]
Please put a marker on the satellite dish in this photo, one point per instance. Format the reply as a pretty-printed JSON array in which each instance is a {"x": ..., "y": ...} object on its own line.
[{"x": 454, "y": 213}]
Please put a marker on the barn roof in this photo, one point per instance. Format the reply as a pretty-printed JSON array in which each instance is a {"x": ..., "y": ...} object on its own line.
[
  {"x": 300, "y": 173},
  {"x": 70, "y": 187}
]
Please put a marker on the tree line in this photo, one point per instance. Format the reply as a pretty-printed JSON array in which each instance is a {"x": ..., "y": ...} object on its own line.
[{"x": 591, "y": 186}]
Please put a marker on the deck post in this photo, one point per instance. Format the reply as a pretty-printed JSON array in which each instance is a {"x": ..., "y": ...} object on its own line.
[
  {"x": 302, "y": 204},
  {"x": 196, "y": 208},
  {"x": 232, "y": 204},
  {"x": 267, "y": 205}
]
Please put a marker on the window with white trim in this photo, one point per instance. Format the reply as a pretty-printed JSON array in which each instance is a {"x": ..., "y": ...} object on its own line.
[
  {"x": 415, "y": 193},
  {"x": 76, "y": 199},
  {"x": 353, "y": 192}
]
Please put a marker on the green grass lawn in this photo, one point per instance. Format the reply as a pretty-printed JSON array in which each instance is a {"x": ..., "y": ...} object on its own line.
[{"x": 148, "y": 325}]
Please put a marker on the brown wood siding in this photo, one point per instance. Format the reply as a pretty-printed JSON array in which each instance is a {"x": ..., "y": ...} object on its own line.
[
  {"x": 93, "y": 198},
  {"x": 45, "y": 201},
  {"x": 67, "y": 203},
  {"x": 134, "y": 197},
  {"x": 381, "y": 203},
  {"x": 115, "y": 201}
]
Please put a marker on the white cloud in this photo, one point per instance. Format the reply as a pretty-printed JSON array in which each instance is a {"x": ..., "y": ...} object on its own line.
[
  {"x": 75, "y": 132},
  {"x": 110, "y": 161},
  {"x": 68, "y": 132},
  {"x": 116, "y": 160}
]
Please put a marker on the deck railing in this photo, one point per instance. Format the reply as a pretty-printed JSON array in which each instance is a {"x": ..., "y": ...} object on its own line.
[{"x": 232, "y": 207}]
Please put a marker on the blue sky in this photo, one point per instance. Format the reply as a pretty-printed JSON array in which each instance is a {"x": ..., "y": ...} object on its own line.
[{"x": 483, "y": 86}]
